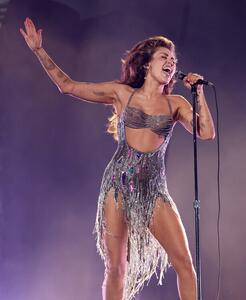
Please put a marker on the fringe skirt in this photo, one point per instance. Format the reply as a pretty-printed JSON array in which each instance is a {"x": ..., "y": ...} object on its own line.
[{"x": 141, "y": 179}]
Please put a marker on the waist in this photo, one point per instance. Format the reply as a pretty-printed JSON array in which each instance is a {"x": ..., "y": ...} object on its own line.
[
  {"x": 126, "y": 156},
  {"x": 143, "y": 140}
]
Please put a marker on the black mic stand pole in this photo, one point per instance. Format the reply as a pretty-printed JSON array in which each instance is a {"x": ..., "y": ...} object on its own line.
[{"x": 196, "y": 203}]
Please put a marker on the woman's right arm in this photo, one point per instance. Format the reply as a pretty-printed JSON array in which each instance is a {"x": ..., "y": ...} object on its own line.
[{"x": 106, "y": 92}]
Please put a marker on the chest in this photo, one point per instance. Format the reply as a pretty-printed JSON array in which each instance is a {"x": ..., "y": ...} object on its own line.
[{"x": 136, "y": 118}]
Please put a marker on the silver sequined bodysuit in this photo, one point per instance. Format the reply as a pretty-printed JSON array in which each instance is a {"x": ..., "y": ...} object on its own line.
[{"x": 140, "y": 177}]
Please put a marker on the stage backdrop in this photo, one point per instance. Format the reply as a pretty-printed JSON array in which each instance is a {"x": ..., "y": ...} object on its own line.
[{"x": 54, "y": 148}]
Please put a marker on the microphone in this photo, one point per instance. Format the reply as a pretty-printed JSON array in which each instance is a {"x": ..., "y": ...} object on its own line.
[{"x": 180, "y": 75}]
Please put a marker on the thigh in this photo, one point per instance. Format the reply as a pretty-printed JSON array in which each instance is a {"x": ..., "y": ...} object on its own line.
[
  {"x": 168, "y": 229},
  {"x": 115, "y": 232}
]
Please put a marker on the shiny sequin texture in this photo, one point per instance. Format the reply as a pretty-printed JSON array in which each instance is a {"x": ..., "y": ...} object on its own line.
[{"x": 140, "y": 178}]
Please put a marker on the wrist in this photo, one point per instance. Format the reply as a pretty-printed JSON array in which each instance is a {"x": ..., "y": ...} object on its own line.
[
  {"x": 37, "y": 50},
  {"x": 200, "y": 91}
]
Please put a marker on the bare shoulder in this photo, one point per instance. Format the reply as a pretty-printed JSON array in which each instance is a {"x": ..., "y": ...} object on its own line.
[
  {"x": 178, "y": 100},
  {"x": 123, "y": 91}
]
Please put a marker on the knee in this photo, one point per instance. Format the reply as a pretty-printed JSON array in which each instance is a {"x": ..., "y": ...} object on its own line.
[
  {"x": 115, "y": 272},
  {"x": 183, "y": 264}
]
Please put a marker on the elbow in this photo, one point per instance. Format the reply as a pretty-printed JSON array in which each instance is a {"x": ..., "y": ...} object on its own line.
[
  {"x": 66, "y": 86},
  {"x": 206, "y": 133},
  {"x": 61, "y": 90},
  {"x": 207, "y": 136},
  {"x": 213, "y": 136},
  {"x": 64, "y": 90}
]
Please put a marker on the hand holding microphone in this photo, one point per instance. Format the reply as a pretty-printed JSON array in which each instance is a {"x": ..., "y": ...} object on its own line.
[{"x": 192, "y": 79}]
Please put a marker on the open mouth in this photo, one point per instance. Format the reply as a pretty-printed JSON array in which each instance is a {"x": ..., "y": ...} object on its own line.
[{"x": 167, "y": 70}]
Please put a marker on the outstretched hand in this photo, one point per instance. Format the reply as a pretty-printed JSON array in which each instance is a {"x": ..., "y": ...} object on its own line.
[{"x": 32, "y": 36}]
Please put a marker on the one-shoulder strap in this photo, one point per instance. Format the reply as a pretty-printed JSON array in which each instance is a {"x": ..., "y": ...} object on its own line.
[
  {"x": 130, "y": 98},
  {"x": 170, "y": 106}
]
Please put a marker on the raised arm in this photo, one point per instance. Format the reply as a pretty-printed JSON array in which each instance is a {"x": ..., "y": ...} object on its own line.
[
  {"x": 106, "y": 92},
  {"x": 205, "y": 125}
]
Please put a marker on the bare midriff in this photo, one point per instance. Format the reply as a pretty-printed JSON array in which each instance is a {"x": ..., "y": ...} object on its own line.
[{"x": 143, "y": 139}]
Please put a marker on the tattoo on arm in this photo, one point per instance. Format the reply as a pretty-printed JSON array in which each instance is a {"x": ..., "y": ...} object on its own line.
[
  {"x": 63, "y": 76},
  {"x": 60, "y": 74},
  {"x": 202, "y": 125},
  {"x": 49, "y": 65},
  {"x": 198, "y": 106},
  {"x": 99, "y": 93}
]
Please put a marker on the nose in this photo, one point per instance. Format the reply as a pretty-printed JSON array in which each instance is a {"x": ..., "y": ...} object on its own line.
[{"x": 171, "y": 62}]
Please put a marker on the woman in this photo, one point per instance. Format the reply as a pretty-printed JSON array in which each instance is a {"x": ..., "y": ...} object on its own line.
[{"x": 138, "y": 226}]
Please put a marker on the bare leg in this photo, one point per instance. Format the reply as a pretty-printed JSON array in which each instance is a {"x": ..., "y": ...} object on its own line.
[
  {"x": 168, "y": 229},
  {"x": 115, "y": 242}
]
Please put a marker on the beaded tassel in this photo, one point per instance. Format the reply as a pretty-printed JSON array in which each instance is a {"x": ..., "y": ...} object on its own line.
[{"x": 140, "y": 178}]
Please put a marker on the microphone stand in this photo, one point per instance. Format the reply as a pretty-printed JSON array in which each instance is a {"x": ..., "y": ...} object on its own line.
[{"x": 196, "y": 203}]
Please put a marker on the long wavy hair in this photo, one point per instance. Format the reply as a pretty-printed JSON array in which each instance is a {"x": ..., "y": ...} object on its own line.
[{"x": 133, "y": 69}]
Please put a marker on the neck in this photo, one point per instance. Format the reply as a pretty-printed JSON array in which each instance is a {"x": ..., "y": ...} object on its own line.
[{"x": 152, "y": 88}]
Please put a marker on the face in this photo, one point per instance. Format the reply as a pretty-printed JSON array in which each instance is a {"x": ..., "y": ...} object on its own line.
[{"x": 162, "y": 65}]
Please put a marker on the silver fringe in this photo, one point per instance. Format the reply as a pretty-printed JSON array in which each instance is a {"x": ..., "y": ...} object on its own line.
[{"x": 141, "y": 179}]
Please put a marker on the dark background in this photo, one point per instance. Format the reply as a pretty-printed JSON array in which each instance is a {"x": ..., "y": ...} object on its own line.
[{"x": 54, "y": 148}]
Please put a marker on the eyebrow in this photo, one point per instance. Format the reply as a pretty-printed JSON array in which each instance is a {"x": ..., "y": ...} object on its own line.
[{"x": 173, "y": 58}]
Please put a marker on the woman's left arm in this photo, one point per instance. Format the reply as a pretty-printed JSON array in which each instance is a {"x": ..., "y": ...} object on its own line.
[{"x": 205, "y": 125}]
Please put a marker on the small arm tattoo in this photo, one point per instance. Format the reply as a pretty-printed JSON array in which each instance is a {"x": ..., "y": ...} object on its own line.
[
  {"x": 60, "y": 74},
  {"x": 199, "y": 108},
  {"x": 202, "y": 125},
  {"x": 63, "y": 76},
  {"x": 98, "y": 93},
  {"x": 49, "y": 65}
]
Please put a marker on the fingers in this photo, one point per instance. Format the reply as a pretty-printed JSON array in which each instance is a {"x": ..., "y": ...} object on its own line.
[
  {"x": 40, "y": 34},
  {"x": 23, "y": 33},
  {"x": 30, "y": 27},
  {"x": 191, "y": 78},
  {"x": 27, "y": 27}
]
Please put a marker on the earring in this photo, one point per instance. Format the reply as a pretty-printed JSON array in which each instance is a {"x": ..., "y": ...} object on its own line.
[{"x": 146, "y": 68}]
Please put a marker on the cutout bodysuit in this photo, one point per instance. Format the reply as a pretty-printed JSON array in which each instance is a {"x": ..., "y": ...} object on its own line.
[{"x": 141, "y": 179}]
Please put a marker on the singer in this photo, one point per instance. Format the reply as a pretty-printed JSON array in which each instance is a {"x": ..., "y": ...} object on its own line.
[{"x": 138, "y": 227}]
